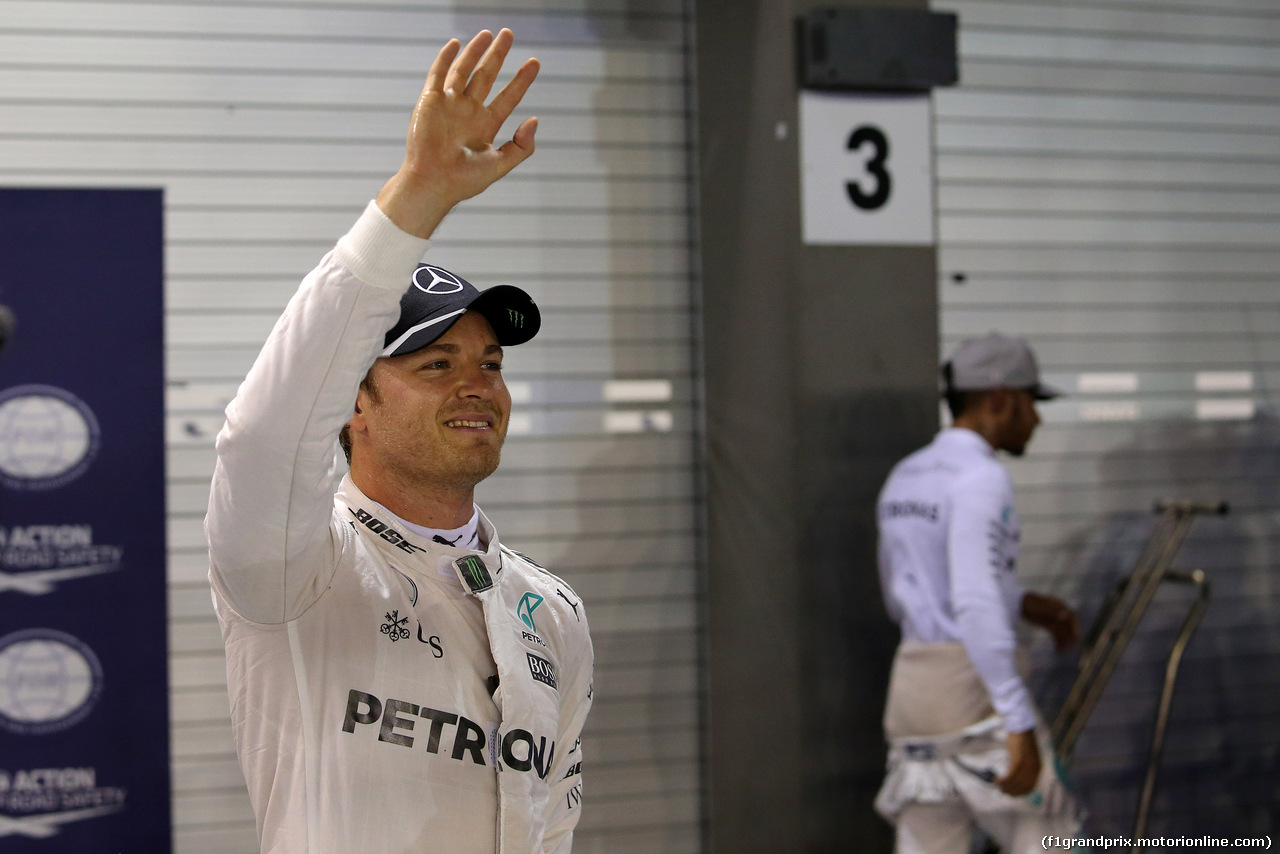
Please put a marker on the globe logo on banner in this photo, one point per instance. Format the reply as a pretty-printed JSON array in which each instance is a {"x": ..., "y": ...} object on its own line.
[
  {"x": 48, "y": 437},
  {"x": 49, "y": 681}
]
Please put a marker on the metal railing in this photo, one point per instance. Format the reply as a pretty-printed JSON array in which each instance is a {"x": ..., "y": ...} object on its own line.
[{"x": 1115, "y": 627}]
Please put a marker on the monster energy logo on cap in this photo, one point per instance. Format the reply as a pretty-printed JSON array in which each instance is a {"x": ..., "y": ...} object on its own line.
[{"x": 474, "y": 573}]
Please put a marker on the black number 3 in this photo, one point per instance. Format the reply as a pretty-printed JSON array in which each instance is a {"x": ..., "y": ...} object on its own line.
[{"x": 875, "y": 167}]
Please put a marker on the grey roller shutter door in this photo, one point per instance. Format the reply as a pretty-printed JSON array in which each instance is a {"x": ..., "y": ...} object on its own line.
[
  {"x": 269, "y": 125},
  {"x": 1108, "y": 187}
]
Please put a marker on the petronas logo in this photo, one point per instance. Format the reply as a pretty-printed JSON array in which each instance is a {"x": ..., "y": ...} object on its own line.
[{"x": 529, "y": 603}]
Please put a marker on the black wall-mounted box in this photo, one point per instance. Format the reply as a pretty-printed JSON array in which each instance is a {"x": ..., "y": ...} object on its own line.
[{"x": 863, "y": 49}]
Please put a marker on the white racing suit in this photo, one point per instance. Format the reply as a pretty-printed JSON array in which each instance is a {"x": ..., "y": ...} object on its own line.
[
  {"x": 958, "y": 771},
  {"x": 949, "y": 543},
  {"x": 388, "y": 694}
]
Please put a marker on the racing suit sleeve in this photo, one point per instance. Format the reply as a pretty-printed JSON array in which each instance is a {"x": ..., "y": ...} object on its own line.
[
  {"x": 884, "y": 565},
  {"x": 564, "y": 803},
  {"x": 980, "y": 557},
  {"x": 272, "y": 548}
]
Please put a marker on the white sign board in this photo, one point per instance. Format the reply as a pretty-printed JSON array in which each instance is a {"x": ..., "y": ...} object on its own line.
[{"x": 866, "y": 169}]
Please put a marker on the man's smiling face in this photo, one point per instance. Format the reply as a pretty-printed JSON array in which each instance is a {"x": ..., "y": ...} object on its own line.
[{"x": 436, "y": 417}]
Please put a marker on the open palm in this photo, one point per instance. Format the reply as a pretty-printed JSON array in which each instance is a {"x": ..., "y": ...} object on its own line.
[{"x": 450, "y": 153}]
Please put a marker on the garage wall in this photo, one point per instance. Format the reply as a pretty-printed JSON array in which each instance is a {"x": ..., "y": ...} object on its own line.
[
  {"x": 269, "y": 125},
  {"x": 1108, "y": 187}
]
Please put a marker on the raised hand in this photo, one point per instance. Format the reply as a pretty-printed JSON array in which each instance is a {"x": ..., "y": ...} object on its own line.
[{"x": 450, "y": 153}]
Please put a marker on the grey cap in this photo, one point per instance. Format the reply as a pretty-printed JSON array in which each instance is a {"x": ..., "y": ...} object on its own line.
[{"x": 996, "y": 361}]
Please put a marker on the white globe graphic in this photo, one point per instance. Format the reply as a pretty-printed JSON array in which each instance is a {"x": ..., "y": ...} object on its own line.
[
  {"x": 43, "y": 680},
  {"x": 41, "y": 437}
]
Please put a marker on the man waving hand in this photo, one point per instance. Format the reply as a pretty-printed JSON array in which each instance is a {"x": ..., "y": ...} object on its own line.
[{"x": 400, "y": 680}]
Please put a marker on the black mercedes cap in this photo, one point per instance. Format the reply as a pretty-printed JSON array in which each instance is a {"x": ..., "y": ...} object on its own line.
[{"x": 436, "y": 299}]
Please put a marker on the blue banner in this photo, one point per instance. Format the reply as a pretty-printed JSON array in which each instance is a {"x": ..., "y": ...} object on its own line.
[{"x": 84, "y": 697}]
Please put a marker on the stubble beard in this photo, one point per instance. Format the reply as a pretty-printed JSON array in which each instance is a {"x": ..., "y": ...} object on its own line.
[
  {"x": 445, "y": 468},
  {"x": 1020, "y": 449}
]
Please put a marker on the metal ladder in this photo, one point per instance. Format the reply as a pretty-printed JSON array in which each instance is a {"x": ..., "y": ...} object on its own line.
[{"x": 1118, "y": 623}]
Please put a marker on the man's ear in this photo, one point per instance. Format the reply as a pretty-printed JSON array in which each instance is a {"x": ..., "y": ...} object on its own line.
[
  {"x": 1000, "y": 401},
  {"x": 357, "y": 421}
]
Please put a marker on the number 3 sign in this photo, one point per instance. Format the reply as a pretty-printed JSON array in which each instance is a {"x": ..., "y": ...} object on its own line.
[{"x": 866, "y": 169}]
